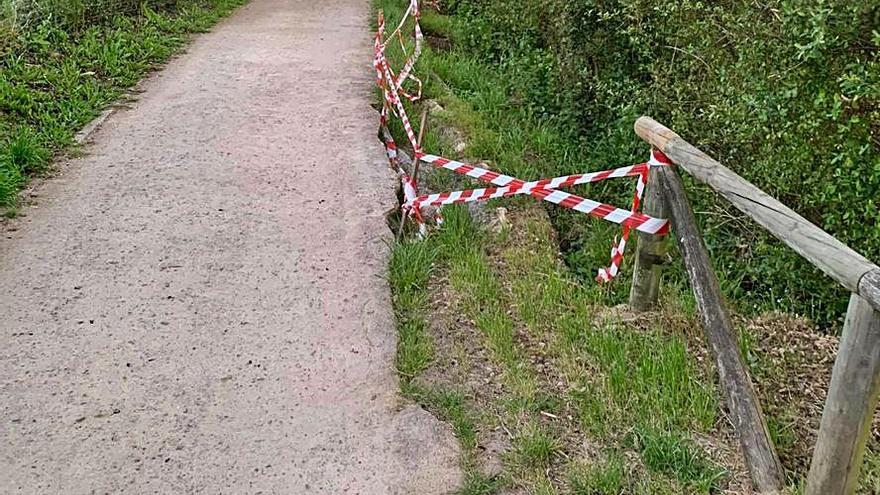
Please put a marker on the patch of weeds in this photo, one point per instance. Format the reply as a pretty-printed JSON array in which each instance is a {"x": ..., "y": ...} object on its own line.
[
  {"x": 411, "y": 265},
  {"x": 453, "y": 408},
  {"x": 434, "y": 23},
  {"x": 870, "y": 474},
  {"x": 483, "y": 301},
  {"x": 651, "y": 376},
  {"x": 24, "y": 152},
  {"x": 477, "y": 483},
  {"x": 11, "y": 180},
  {"x": 782, "y": 430},
  {"x": 605, "y": 478}
]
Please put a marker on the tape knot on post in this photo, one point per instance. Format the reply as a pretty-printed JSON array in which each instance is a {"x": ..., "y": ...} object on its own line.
[{"x": 658, "y": 159}]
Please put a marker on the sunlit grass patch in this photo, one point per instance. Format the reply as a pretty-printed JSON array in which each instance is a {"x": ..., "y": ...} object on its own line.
[{"x": 54, "y": 79}]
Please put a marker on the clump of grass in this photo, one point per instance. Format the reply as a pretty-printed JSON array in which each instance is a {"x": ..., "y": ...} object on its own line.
[
  {"x": 10, "y": 181},
  {"x": 534, "y": 447},
  {"x": 603, "y": 478},
  {"x": 23, "y": 151},
  {"x": 651, "y": 377},
  {"x": 477, "y": 483},
  {"x": 669, "y": 453},
  {"x": 411, "y": 266}
]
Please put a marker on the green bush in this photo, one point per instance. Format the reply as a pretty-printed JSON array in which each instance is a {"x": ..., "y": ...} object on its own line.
[{"x": 783, "y": 92}]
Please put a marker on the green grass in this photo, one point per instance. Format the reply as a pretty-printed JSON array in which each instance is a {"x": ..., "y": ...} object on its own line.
[
  {"x": 676, "y": 456},
  {"x": 642, "y": 395},
  {"x": 534, "y": 447},
  {"x": 409, "y": 271},
  {"x": 619, "y": 382},
  {"x": 54, "y": 80},
  {"x": 605, "y": 478}
]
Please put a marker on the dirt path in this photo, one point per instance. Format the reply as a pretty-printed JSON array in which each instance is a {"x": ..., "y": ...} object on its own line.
[{"x": 197, "y": 304}]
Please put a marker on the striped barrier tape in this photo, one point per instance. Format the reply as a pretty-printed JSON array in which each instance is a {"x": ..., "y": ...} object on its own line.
[
  {"x": 393, "y": 93},
  {"x": 544, "y": 190},
  {"x": 658, "y": 159},
  {"x": 407, "y": 183},
  {"x": 517, "y": 188},
  {"x": 392, "y": 87}
]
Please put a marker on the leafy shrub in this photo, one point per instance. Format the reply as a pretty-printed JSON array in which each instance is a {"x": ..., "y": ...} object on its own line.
[{"x": 784, "y": 92}]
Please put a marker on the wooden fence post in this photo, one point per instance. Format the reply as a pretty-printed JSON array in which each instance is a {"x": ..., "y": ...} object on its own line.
[
  {"x": 745, "y": 410},
  {"x": 855, "y": 381},
  {"x": 650, "y": 251},
  {"x": 849, "y": 408}
]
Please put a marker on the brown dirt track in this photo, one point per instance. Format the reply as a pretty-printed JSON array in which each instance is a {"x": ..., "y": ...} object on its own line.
[{"x": 197, "y": 305}]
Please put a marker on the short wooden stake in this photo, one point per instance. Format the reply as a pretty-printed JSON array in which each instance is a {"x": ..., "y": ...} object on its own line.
[
  {"x": 416, "y": 163},
  {"x": 650, "y": 251},
  {"x": 849, "y": 408},
  {"x": 742, "y": 402}
]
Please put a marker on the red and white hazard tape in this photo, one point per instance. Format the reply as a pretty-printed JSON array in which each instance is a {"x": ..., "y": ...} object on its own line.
[
  {"x": 544, "y": 190},
  {"x": 393, "y": 93},
  {"x": 658, "y": 159},
  {"x": 391, "y": 85},
  {"x": 515, "y": 186}
]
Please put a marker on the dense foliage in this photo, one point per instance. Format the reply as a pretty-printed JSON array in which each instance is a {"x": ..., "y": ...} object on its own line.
[
  {"x": 786, "y": 93},
  {"x": 62, "y": 61}
]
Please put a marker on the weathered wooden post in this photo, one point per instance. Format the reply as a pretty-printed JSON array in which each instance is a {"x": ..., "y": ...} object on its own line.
[
  {"x": 745, "y": 409},
  {"x": 849, "y": 408},
  {"x": 855, "y": 380},
  {"x": 650, "y": 251}
]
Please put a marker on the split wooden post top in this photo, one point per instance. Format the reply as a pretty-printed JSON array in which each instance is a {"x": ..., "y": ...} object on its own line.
[{"x": 836, "y": 259}]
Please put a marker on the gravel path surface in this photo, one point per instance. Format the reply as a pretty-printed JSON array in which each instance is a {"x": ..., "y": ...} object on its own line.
[{"x": 197, "y": 305}]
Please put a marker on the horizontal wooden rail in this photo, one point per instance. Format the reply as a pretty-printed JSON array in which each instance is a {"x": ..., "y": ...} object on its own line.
[{"x": 836, "y": 259}]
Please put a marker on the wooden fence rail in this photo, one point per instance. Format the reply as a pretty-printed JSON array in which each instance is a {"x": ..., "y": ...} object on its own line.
[{"x": 855, "y": 381}]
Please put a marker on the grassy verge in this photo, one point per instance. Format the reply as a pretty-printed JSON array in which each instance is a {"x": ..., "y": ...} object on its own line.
[
  {"x": 583, "y": 404},
  {"x": 53, "y": 81},
  {"x": 534, "y": 363}
]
